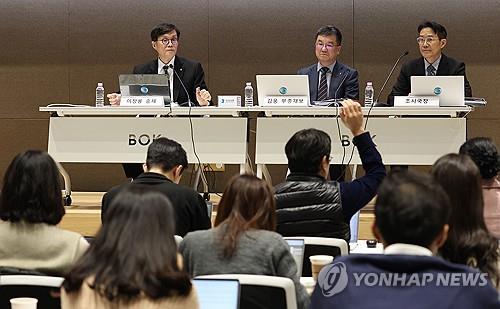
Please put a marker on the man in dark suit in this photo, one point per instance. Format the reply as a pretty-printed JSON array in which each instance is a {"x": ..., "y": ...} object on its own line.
[
  {"x": 339, "y": 81},
  {"x": 165, "y": 41},
  {"x": 431, "y": 42},
  {"x": 165, "y": 162},
  {"x": 329, "y": 78},
  {"x": 411, "y": 215}
]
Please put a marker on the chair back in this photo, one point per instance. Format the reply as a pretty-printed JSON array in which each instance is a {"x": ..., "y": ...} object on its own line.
[
  {"x": 320, "y": 245},
  {"x": 44, "y": 288},
  {"x": 263, "y": 292}
]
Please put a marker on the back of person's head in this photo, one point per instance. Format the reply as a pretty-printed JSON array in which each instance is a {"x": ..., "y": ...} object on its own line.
[
  {"x": 166, "y": 154},
  {"x": 469, "y": 242},
  {"x": 484, "y": 153},
  {"x": 330, "y": 30},
  {"x": 411, "y": 208},
  {"x": 306, "y": 149},
  {"x": 162, "y": 29},
  {"x": 437, "y": 28},
  {"x": 31, "y": 190},
  {"x": 247, "y": 203},
  {"x": 134, "y": 253}
]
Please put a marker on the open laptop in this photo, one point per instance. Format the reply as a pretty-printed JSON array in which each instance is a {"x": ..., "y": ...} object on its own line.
[
  {"x": 145, "y": 85},
  {"x": 282, "y": 85},
  {"x": 218, "y": 293},
  {"x": 297, "y": 249},
  {"x": 450, "y": 89}
]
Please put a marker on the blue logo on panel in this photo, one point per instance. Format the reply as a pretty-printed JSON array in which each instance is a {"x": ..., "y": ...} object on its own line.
[
  {"x": 144, "y": 90},
  {"x": 437, "y": 90},
  {"x": 283, "y": 90}
]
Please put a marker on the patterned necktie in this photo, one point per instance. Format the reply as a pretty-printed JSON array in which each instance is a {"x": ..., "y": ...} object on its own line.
[
  {"x": 431, "y": 70},
  {"x": 323, "y": 85},
  {"x": 167, "y": 99}
]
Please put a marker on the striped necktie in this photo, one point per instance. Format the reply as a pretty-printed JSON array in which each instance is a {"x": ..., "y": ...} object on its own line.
[
  {"x": 323, "y": 85},
  {"x": 167, "y": 99},
  {"x": 431, "y": 70}
]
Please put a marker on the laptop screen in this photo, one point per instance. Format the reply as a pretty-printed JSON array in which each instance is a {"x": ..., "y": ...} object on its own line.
[
  {"x": 145, "y": 85},
  {"x": 218, "y": 293},
  {"x": 282, "y": 85},
  {"x": 449, "y": 89},
  {"x": 297, "y": 251}
]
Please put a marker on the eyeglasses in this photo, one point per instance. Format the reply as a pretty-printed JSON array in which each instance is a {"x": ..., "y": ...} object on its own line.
[
  {"x": 426, "y": 40},
  {"x": 166, "y": 41},
  {"x": 320, "y": 45}
]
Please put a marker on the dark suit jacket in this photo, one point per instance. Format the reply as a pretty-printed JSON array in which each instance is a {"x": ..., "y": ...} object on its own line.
[
  {"x": 190, "y": 208},
  {"x": 416, "y": 67},
  {"x": 348, "y": 89},
  {"x": 191, "y": 73},
  {"x": 370, "y": 290}
]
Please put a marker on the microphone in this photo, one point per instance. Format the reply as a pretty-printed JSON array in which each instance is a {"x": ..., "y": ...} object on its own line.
[
  {"x": 335, "y": 103},
  {"x": 183, "y": 86},
  {"x": 389, "y": 76}
]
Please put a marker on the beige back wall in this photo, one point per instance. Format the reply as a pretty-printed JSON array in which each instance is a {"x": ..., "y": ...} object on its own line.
[{"x": 56, "y": 51}]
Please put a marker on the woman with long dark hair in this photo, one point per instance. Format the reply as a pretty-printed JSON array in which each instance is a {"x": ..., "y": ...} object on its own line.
[
  {"x": 484, "y": 153},
  {"x": 469, "y": 242},
  {"x": 31, "y": 206},
  {"x": 243, "y": 240},
  {"x": 133, "y": 260}
]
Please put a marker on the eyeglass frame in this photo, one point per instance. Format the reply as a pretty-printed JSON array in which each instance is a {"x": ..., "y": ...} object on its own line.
[
  {"x": 429, "y": 39},
  {"x": 327, "y": 46},
  {"x": 165, "y": 41}
]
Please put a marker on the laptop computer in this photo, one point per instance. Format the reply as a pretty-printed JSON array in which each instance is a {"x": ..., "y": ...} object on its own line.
[
  {"x": 450, "y": 89},
  {"x": 297, "y": 249},
  {"x": 145, "y": 85},
  {"x": 218, "y": 293},
  {"x": 282, "y": 85}
]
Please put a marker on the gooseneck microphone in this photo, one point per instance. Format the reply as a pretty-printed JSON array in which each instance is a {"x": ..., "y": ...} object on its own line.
[
  {"x": 335, "y": 103},
  {"x": 183, "y": 86},
  {"x": 389, "y": 76}
]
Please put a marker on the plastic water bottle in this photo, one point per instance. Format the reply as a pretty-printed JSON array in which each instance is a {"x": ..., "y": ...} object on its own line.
[
  {"x": 369, "y": 94},
  {"x": 99, "y": 95},
  {"x": 249, "y": 95}
]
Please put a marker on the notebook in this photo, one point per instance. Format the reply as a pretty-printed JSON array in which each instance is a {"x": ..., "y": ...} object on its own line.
[
  {"x": 218, "y": 293},
  {"x": 297, "y": 248},
  {"x": 282, "y": 85},
  {"x": 449, "y": 89},
  {"x": 145, "y": 85}
]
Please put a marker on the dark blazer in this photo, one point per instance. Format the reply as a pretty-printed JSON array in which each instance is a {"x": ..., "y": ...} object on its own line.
[
  {"x": 190, "y": 72},
  {"x": 371, "y": 290},
  {"x": 416, "y": 67},
  {"x": 348, "y": 89},
  {"x": 190, "y": 208}
]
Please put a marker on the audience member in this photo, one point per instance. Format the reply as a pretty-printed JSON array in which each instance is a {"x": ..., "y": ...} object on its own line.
[
  {"x": 308, "y": 204},
  {"x": 31, "y": 206},
  {"x": 411, "y": 215},
  {"x": 133, "y": 261},
  {"x": 469, "y": 242},
  {"x": 165, "y": 162},
  {"x": 484, "y": 153},
  {"x": 243, "y": 241}
]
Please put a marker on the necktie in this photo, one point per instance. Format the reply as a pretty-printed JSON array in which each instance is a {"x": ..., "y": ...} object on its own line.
[
  {"x": 323, "y": 85},
  {"x": 431, "y": 70},
  {"x": 167, "y": 99}
]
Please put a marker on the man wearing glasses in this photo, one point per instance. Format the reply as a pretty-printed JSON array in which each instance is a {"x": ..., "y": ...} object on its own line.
[
  {"x": 330, "y": 79},
  {"x": 431, "y": 42},
  {"x": 165, "y": 41}
]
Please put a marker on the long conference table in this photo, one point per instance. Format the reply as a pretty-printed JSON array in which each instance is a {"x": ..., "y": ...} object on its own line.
[{"x": 406, "y": 136}]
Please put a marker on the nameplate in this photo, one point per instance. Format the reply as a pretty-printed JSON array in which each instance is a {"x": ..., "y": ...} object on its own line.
[
  {"x": 229, "y": 101},
  {"x": 142, "y": 101},
  {"x": 414, "y": 101},
  {"x": 285, "y": 101}
]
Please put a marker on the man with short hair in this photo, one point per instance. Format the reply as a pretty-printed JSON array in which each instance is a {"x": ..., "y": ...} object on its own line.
[
  {"x": 308, "y": 204},
  {"x": 165, "y": 162},
  {"x": 329, "y": 78},
  {"x": 411, "y": 215},
  {"x": 432, "y": 39}
]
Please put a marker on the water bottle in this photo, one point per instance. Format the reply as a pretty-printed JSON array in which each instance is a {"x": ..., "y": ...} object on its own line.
[
  {"x": 249, "y": 95},
  {"x": 369, "y": 94},
  {"x": 99, "y": 95}
]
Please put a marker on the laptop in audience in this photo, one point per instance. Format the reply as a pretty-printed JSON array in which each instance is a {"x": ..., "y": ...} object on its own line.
[
  {"x": 282, "y": 85},
  {"x": 145, "y": 85},
  {"x": 297, "y": 248},
  {"x": 218, "y": 293},
  {"x": 449, "y": 89}
]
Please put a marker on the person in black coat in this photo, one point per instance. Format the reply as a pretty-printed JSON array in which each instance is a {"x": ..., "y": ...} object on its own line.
[
  {"x": 431, "y": 42},
  {"x": 165, "y": 162}
]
